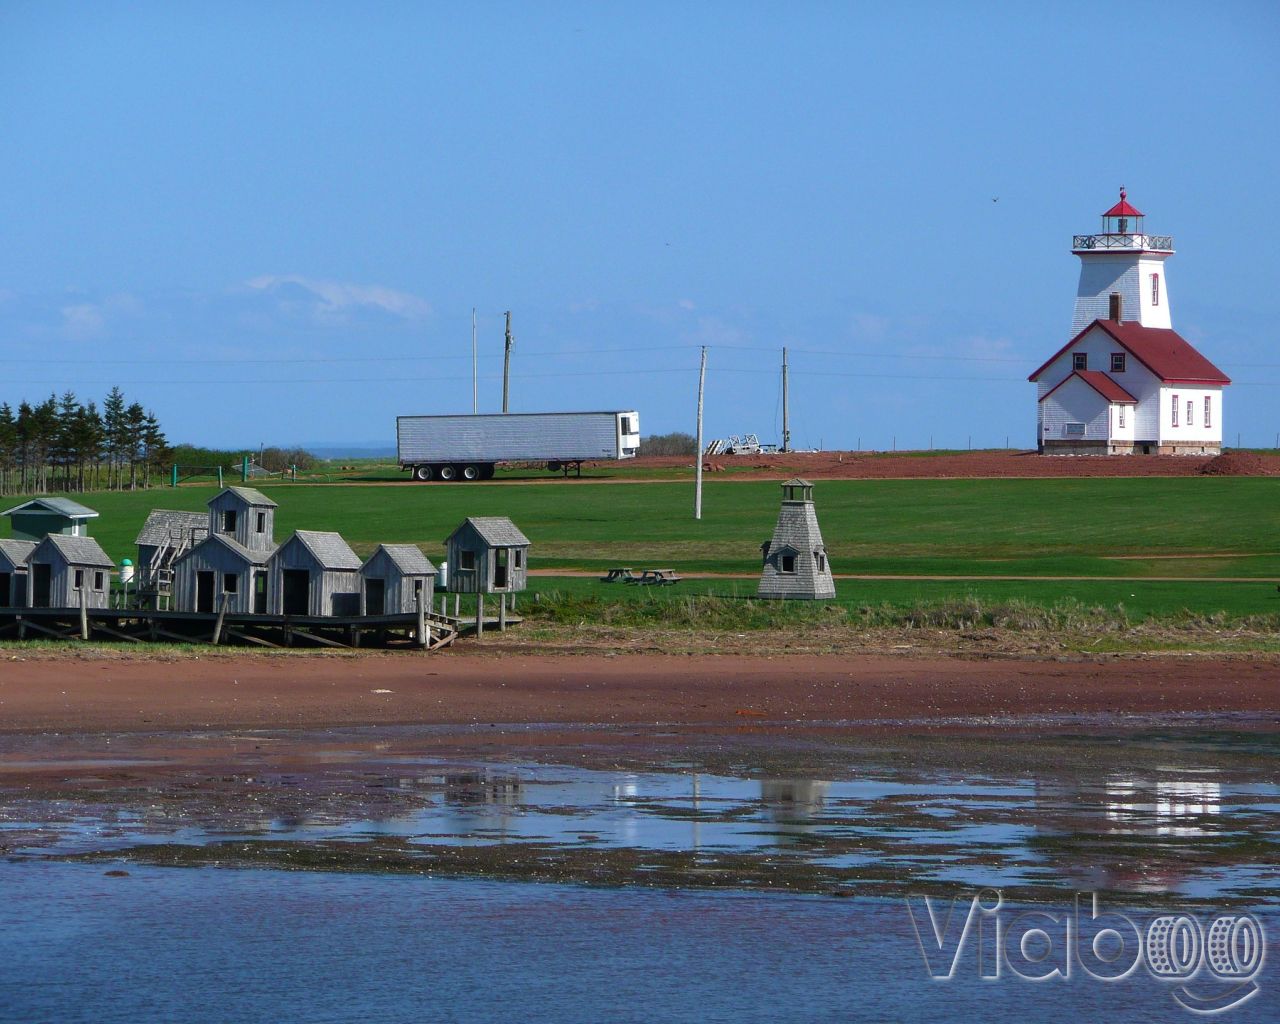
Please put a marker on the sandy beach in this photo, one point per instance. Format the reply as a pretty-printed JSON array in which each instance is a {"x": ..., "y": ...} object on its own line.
[{"x": 251, "y": 691}]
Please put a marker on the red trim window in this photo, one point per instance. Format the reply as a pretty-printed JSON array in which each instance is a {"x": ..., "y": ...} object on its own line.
[
  {"x": 1120, "y": 410},
  {"x": 1117, "y": 362},
  {"x": 1175, "y": 410},
  {"x": 1080, "y": 360},
  {"x": 1155, "y": 289},
  {"x": 1191, "y": 413},
  {"x": 1208, "y": 410}
]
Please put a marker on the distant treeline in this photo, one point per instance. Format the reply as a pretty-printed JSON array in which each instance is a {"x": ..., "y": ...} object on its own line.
[
  {"x": 669, "y": 444},
  {"x": 63, "y": 445}
]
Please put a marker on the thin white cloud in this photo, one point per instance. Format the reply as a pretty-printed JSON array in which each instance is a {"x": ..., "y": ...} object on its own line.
[
  {"x": 334, "y": 300},
  {"x": 83, "y": 321}
]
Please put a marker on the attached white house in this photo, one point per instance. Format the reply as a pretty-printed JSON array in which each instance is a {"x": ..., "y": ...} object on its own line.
[{"x": 1127, "y": 383}]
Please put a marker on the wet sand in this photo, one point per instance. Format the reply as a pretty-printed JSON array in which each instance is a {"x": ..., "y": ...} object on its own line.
[{"x": 265, "y": 692}]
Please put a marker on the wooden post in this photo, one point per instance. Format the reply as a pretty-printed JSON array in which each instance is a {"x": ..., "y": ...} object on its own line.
[
  {"x": 84, "y": 609},
  {"x": 786, "y": 429},
  {"x": 222, "y": 614},
  {"x": 697, "y": 490},
  {"x": 506, "y": 363},
  {"x": 457, "y": 606},
  {"x": 479, "y": 615},
  {"x": 475, "y": 367},
  {"x": 424, "y": 638},
  {"x": 502, "y": 613},
  {"x": 219, "y": 476}
]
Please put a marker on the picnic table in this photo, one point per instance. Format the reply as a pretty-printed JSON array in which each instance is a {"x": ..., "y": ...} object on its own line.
[
  {"x": 658, "y": 577},
  {"x": 622, "y": 574}
]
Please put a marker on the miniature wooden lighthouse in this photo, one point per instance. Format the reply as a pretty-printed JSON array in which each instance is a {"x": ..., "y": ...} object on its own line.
[{"x": 795, "y": 560}]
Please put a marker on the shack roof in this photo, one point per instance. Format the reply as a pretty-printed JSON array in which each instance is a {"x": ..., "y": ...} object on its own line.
[
  {"x": 408, "y": 558},
  {"x": 162, "y": 523},
  {"x": 496, "y": 531},
  {"x": 239, "y": 550},
  {"x": 249, "y": 495},
  {"x": 16, "y": 551},
  {"x": 79, "y": 550},
  {"x": 60, "y": 506},
  {"x": 329, "y": 549}
]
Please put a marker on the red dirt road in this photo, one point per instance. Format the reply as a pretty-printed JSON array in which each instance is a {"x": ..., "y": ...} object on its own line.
[{"x": 306, "y": 692}]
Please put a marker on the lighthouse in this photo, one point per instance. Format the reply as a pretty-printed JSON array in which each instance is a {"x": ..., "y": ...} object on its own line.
[
  {"x": 1126, "y": 383},
  {"x": 1122, "y": 265}
]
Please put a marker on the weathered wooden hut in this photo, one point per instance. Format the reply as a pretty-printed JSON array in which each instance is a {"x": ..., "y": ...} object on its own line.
[
  {"x": 166, "y": 536},
  {"x": 487, "y": 555},
  {"x": 314, "y": 573},
  {"x": 43, "y": 517},
  {"x": 219, "y": 570},
  {"x": 244, "y": 515},
  {"x": 394, "y": 579},
  {"x": 13, "y": 572},
  {"x": 795, "y": 559},
  {"x": 64, "y": 570}
]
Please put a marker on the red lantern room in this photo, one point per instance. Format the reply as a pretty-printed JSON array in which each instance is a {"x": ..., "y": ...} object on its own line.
[{"x": 1123, "y": 218}]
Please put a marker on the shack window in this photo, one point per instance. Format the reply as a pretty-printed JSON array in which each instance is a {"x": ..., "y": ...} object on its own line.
[
  {"x": 98, "y": 581},
  {"x": 467, "y": 560},
  {"x": 229, "y": 521},
  {"x": 1175, "y": 410},
  {"x": 262, "y": 522},
  {"x": 230, "y": 583},
  {"x": 517, "y": 558},
  {"x": 79, "y": 579},
  {"x": 1117, "y": 362},
  {"x": 787, "y": 563},
  {"x": 821, "y": 559},
  {"x": 1080, "y": 361}
]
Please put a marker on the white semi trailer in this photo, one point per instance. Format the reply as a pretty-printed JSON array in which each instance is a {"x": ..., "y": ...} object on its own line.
[{"x": 468, "y": 447}]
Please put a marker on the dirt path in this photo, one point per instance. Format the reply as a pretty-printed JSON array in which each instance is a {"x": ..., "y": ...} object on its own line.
[{"x": 588, "y": 574}]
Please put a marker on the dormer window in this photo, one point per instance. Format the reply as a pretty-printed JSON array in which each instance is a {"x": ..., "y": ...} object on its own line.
[
  {"x": 1117, "y": 362},
  {"x": 262, "y": 522},
  {"x": 1080, "y": 361},
  {"x": 787, "y": 563},
  {"x": 229, "y": 521}
]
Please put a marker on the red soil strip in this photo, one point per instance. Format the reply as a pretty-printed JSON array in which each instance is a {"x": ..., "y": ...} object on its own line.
[{"x": 308, "y": 692}]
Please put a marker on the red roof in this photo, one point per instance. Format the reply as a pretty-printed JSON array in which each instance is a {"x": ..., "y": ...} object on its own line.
[
  {"x": 1101, "y": 383},
  {"x": 1164, "y": 352},
  {"x": 1123, "y": 209}
]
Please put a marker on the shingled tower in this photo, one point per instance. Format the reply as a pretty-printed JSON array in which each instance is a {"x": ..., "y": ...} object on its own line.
[{"x": 795, "y": 560}]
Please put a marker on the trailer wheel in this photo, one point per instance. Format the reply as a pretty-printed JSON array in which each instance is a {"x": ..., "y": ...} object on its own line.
[
  {"x": 470, "y": 472},
  {"x": 422, "y": 473},
  {"x": 487, "y": 471},
  {"x": 446, "y": 472}
]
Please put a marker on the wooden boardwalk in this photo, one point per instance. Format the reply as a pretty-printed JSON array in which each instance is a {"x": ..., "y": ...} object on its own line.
[{"x": 427, "y": 631}]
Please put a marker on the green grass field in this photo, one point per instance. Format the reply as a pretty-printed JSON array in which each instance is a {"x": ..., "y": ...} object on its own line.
[{"x": 1129, "y": 531}]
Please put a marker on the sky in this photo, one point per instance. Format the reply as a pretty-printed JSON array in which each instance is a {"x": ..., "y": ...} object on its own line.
[{"x": 270, "y": 222}]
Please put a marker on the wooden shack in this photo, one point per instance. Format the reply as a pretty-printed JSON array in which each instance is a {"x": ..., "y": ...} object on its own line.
[
  {"x": 45, "y": 517},
  {"x": 217, "y": 571},
  {"x": 13, "y": 572},
  {"x": 164, "y": 538},
  {"x": 395, "y": 579},
  {"x": 487, "y": 555},
  {"x": 795, "y": 559},
  {"x": 244, "y": 515},
  {"x": 314, "y": 573},
  {"x": 64, "y": 571}
]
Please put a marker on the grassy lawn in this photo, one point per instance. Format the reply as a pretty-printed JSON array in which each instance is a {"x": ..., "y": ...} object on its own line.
[{"x": 1146, "y": 528}]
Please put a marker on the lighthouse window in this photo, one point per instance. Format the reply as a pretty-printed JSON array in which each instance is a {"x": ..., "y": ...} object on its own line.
[
  {"x": 1155, "y": 289},
  {"x": 1080, "y": 361},
  {"x": 1208, "y": 418},
  {"x": 1117, "y": 362},
  {"x": 1175, "y": 410}
]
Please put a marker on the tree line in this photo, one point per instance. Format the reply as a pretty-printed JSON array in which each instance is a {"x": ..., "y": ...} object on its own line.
[{"x": 61, "y": 444}]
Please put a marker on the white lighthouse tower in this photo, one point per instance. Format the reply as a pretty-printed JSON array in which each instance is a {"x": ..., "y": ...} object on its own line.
[
  {"x": 1125, "y": 265},
  {"x": 1126, "y": 383}
]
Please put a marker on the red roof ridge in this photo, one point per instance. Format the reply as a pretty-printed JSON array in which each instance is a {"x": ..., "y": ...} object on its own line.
[{"x": 1107, "y": 386}]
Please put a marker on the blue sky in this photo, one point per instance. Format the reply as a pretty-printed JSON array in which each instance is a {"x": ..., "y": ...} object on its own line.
[{"x": 269, "y": 222}]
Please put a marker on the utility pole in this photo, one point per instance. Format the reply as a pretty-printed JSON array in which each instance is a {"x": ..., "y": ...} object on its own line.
[
  {"x": 506, "y": 364},
  {"x": 697, "y": 491},
  {"x": 786, "y": 430},
  {"x": 475, "y": 367}
]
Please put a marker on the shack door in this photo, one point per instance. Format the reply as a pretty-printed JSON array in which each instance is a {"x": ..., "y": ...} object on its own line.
[
  {"x": 375, "y": 596},
  {"x": 41, "y": 578},
  {"x": 500, "y": 559},
  {"x": 6, "y": 587},
  {"x": 259, "y": 593},
  {"x": 296, "y": 588},
  {"x": 204, "y": 590}
]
